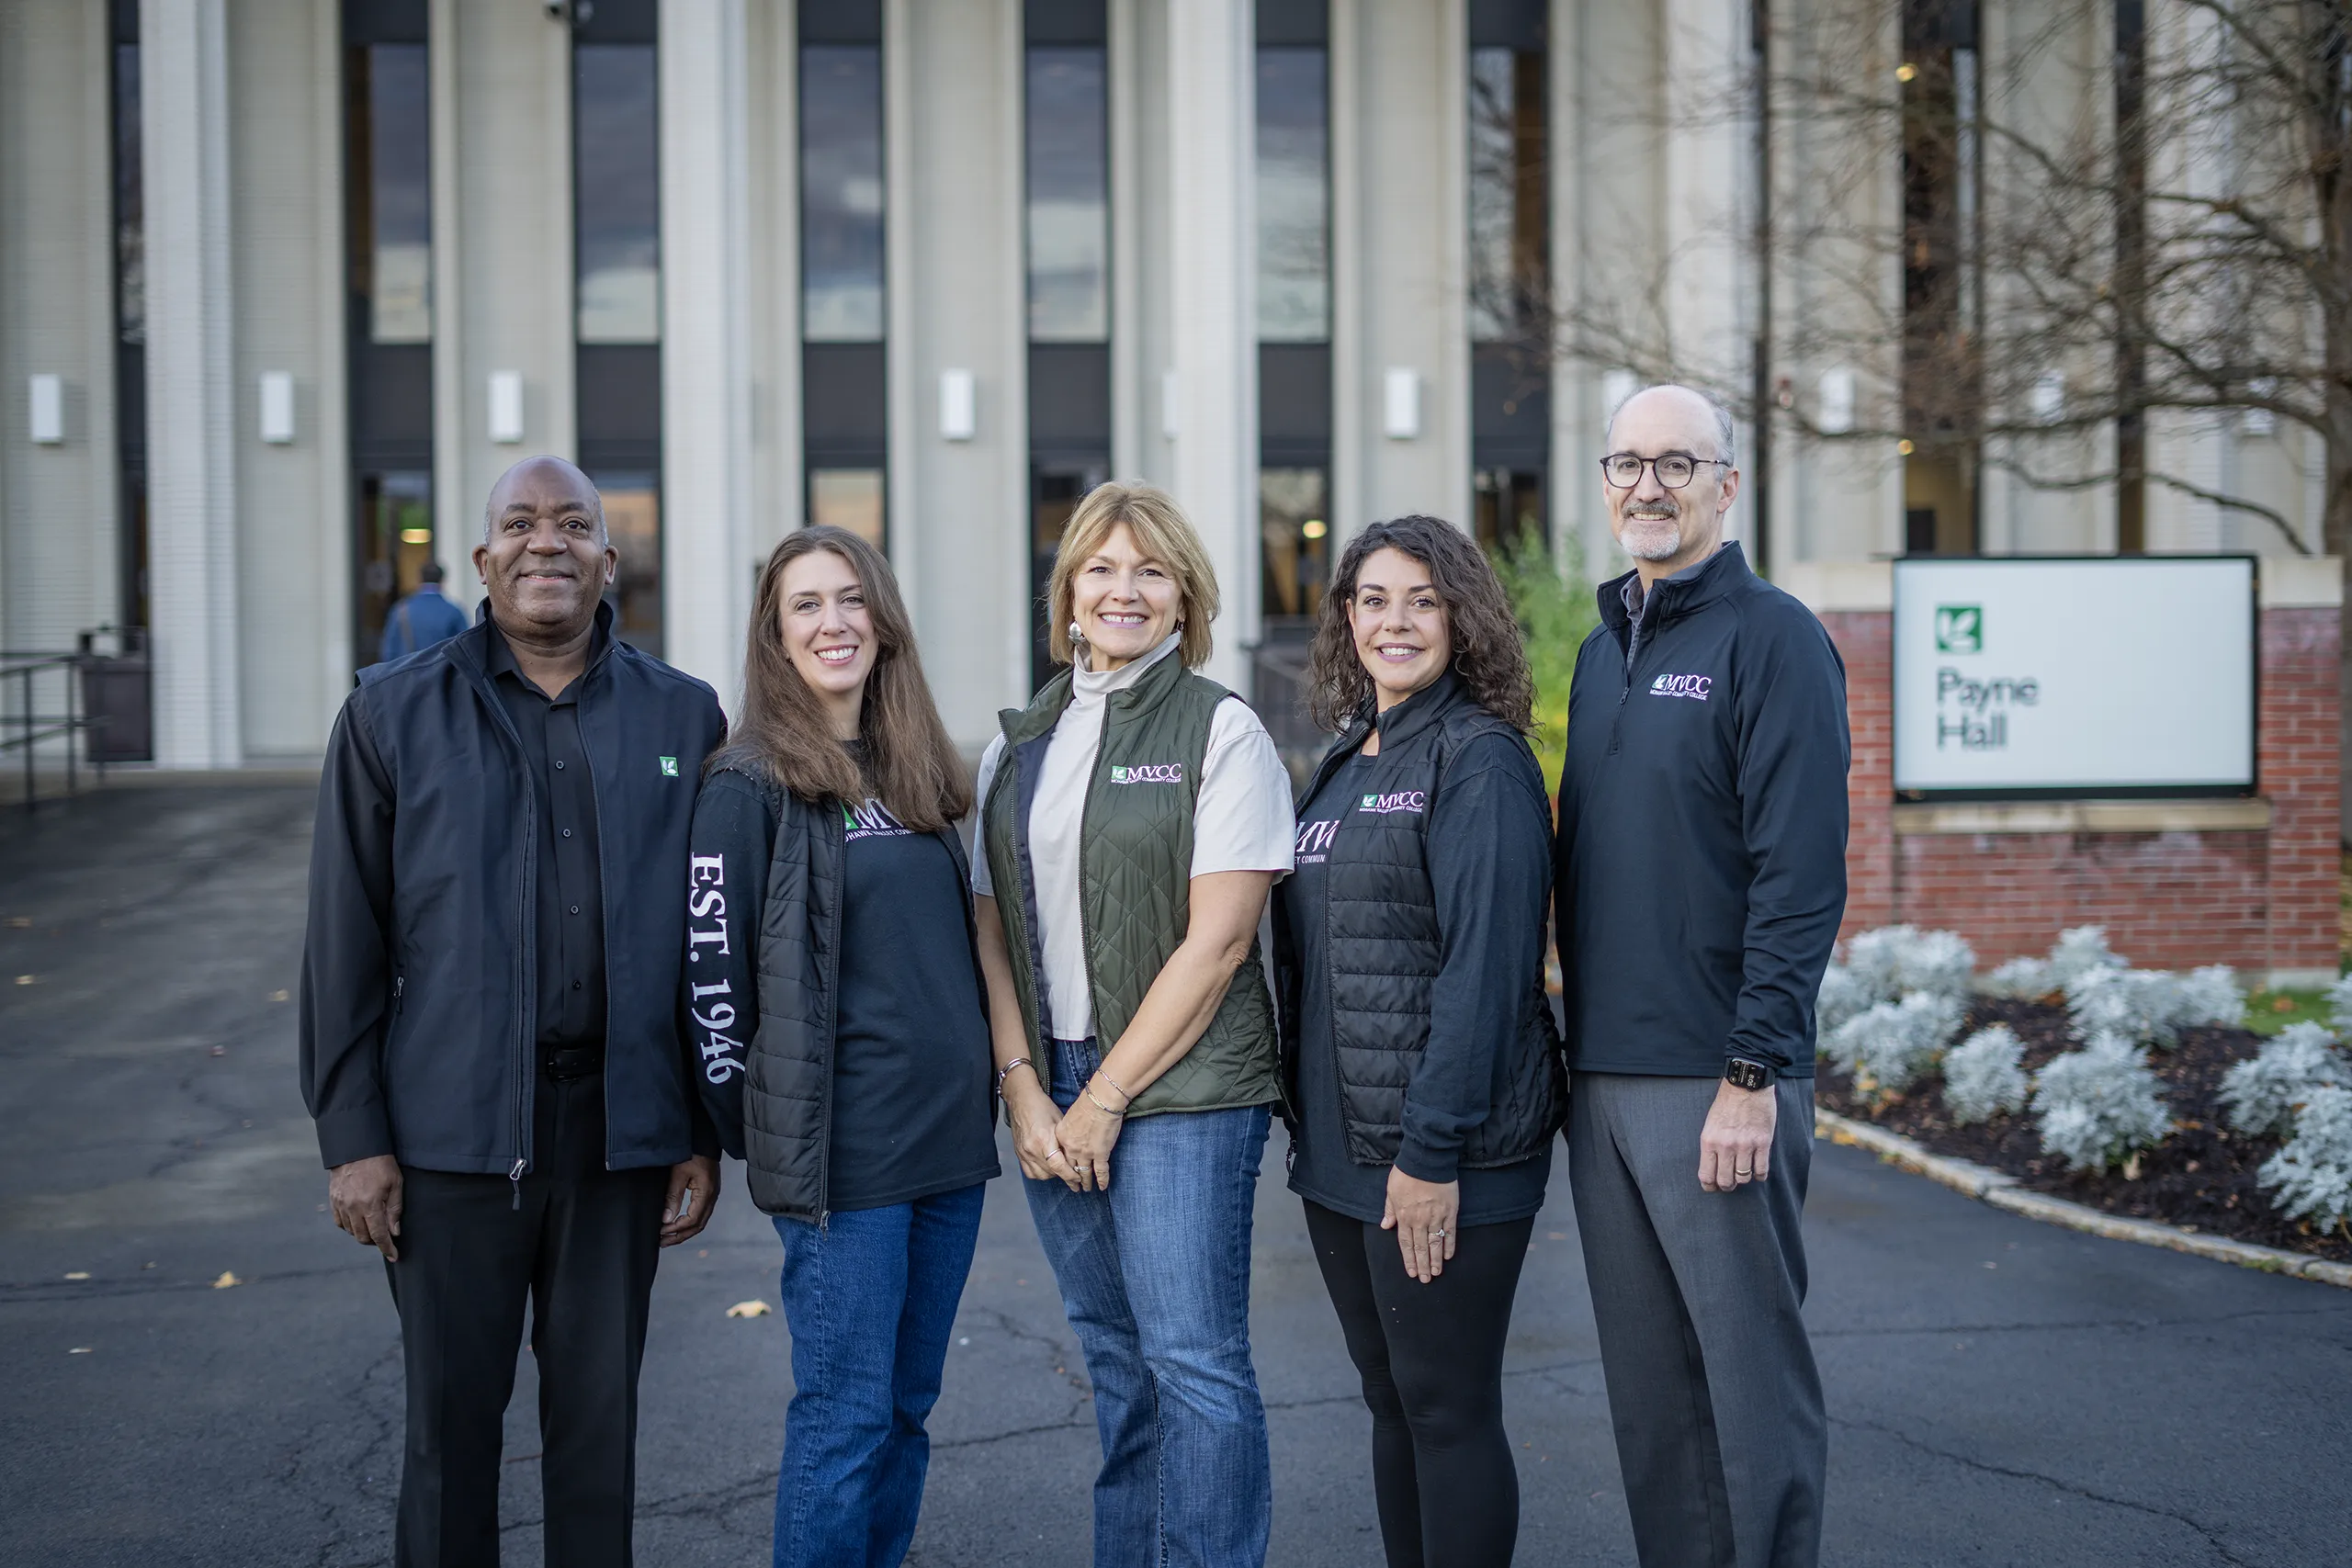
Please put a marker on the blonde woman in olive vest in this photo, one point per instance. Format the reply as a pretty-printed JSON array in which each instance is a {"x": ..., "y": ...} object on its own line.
[{"x": 1134, "y": 818}]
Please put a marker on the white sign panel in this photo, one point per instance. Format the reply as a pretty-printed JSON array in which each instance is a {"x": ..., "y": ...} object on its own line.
[{"x": 2025, "y": 676}]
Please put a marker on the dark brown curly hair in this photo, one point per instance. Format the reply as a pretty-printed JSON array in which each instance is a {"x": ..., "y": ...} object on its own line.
[{"x": 1489, "y": 655}]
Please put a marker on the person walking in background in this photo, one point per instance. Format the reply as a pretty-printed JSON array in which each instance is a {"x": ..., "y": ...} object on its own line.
[
  {"x": 834, "y": 987},
  {"x": 490, "y": 1033},
  {"x": 1134, "y": 815},
  {"x": 1700, "y": 880},
  {"x": 421, "y": 619},
  {"x": 1419, "y": 1050}
]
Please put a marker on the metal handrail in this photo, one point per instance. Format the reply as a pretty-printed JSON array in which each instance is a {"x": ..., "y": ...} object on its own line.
[{"x": 31, "y": 726}]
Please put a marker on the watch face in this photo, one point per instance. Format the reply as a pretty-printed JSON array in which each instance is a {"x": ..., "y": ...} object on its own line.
[{"x": 1746, "y": 1075}]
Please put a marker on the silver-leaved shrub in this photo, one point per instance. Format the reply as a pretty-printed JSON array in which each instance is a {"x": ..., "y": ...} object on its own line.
[
  {"x": 1894, "y": 961},
  {"x": 2339, "y": 1005},
  {"x": 2312, "y": 1177},
  {"x": 2077, "y": 952},
  {"x": 2101, "y": 1105},
  {"x": 1843, "y": 996},
  {"x": 2146, "y": 1006},
  {"x": 1984, "y": 1076},
  {"x": 2262, "y": 1092},
  {"x": 1888, "y": 1046},
  {"x": 2212, "y": 996}
]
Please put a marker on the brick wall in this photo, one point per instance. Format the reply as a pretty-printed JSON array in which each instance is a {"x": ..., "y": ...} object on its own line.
[{"x": 2258, "y": 901}]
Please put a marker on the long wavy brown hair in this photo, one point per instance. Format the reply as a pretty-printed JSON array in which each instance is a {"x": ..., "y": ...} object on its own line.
[
  {"x": 1490, "y": 653},
  {"x": 783, "y": 734}
]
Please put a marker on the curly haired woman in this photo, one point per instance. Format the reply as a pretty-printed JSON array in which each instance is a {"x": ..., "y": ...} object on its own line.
[{"x": 1419, "y": 1050}]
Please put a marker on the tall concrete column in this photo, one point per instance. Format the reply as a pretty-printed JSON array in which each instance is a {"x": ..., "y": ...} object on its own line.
[
  {"x": 191, "y": 425},
  {"x": 1213, "y": 389},
  {"x": 707, "y": 343}
]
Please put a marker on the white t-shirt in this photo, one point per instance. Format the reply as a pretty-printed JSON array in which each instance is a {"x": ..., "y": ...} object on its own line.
[{"x": 1241, "y": 820}]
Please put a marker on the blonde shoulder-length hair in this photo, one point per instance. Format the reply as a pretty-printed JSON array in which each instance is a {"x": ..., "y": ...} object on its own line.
[{"x": 1163, "y": 534}]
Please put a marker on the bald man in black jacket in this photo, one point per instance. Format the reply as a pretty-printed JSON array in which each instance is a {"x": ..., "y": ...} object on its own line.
[
  {"x": 1700, "y": 881},
  {"x": 489, "y": 1025}
]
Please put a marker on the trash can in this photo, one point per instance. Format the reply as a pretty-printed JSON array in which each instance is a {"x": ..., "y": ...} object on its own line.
[{"x": 118, "y": 697}]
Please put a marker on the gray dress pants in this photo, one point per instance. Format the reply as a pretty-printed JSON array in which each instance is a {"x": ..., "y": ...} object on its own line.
[{"x": 1697, "y": 1296}]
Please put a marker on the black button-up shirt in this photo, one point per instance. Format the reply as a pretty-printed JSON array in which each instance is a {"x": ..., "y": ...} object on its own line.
[{"x": 569, "y": 892}]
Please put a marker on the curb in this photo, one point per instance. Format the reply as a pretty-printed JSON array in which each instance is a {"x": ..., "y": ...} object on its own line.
[{"x": 2002, "y": 1190}]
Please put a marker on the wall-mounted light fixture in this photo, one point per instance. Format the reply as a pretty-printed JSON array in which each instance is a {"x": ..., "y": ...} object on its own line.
[
  {"x": 46, "y": 413},
  {"x": 277, "y": 407},
  {"x": 1834, "y": 410},
  {"x": 1616, "y": 385},
  {"x": 959, "y": 398},
  {"x": 1400, "y": 403},
  {"x": 506, "y": 407},
  {"x": 2050, "y": 397}
]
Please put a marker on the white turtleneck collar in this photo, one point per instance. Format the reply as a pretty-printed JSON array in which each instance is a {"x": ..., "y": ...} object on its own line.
[{"x": 1088, "y": 687}]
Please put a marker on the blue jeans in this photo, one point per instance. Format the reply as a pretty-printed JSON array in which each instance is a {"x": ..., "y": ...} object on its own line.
[
  {"x": 1154, "y": 1277},
  {"x": 870, "y": 1299}
]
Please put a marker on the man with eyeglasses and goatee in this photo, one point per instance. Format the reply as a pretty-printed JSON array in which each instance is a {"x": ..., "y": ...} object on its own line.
[{"x": 1699, "y": 883}]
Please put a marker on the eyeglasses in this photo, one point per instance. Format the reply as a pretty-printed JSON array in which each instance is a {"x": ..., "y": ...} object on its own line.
[{"x": 1673, "y": 468}]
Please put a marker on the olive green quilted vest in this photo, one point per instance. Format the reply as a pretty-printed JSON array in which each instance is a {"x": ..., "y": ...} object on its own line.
[{"x": 1134, "y": 873}]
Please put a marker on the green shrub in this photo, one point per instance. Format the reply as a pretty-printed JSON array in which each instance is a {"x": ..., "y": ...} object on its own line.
[{"x": 1556, "y": 611}]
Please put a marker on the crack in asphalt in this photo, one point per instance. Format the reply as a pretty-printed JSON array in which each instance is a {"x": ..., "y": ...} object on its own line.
[{"x": 2211, "y": 1537}]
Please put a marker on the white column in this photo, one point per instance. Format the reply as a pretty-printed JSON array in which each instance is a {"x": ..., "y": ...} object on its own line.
[
  {"x": 1212, "y": 287},
  {"x": 191, "y": 427},
  {"x": 457, "y": 514},
  {"x": 706, "y": 341}
]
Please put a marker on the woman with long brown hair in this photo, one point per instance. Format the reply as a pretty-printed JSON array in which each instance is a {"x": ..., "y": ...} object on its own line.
[
  {"x": 1423, "y": 1067},
  {"x": 842, "y": 1029}
]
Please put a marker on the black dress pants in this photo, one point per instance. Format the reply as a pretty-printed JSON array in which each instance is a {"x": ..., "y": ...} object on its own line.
[{"x": 579, "y": 1247}]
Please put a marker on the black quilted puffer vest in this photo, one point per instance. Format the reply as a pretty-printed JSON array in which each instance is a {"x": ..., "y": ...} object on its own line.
[
  {"x": 1134, "y": 880},
  {"x": 1384, "y": 946}
]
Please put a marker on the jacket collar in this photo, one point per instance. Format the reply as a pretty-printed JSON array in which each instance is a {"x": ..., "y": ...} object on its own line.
[
  {"x": 1155, "y": 675},
  {"x": 482, "y": 648},
  {"x": 1423, "y": 709},
  {"x": 1694, "y": 587}
]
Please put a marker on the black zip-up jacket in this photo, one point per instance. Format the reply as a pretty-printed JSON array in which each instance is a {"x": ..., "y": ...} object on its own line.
[
  {"x": 1447, "y": 1055},
  {"x": 420, "y": 989},
  {"x": 1700, "y": 861},
  {"x": 778, "y": 1109}
]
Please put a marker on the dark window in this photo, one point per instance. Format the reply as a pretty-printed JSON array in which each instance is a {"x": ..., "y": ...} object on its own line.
[
  {"x": 616, "y": 184},
  {"x": 388, "y": 197},
  {"x": 131, "y": 323},
  {"x": 391, "y": 210},
  {"x": 617, "y": 259},
  {"x": 1068, "y": 217},
  {"x": 1942, "y": 389},
  {"x": 840, "y": 192},
  {"x": 1510, "y": 199},
  {"x": 1294, "y": 196}
]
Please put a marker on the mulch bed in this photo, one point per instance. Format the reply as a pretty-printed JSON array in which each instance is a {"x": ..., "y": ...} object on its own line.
[{"x": 2201, "y": 1178}]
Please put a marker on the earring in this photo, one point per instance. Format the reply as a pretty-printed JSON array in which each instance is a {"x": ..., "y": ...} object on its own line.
[{"x": 1075, "y": 634}]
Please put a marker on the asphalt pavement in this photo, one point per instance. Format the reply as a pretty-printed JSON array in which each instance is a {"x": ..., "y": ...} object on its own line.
[{"x": 1999, "y": 1392}]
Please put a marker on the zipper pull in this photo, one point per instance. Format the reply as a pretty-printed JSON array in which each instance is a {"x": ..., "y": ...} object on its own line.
[{"x": 515, "y": 1179}]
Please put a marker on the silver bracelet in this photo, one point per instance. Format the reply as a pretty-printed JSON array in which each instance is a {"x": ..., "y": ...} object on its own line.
[
  {"x": 1088, "y": 1090},
  {"x": 1003, "y": 1071}
]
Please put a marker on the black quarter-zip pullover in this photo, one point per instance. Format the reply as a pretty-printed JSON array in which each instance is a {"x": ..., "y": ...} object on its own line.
[{"x": 1700, "y": 871}]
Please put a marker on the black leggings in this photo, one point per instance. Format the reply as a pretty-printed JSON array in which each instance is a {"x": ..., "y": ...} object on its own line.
[{"x": 1431, "y": 1358}]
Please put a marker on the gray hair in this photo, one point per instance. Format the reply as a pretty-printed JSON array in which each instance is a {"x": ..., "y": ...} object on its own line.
[{"x": 1726, "y": 446}]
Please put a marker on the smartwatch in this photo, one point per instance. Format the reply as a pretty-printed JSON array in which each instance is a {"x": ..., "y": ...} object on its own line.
[{"x": 1740, "y": 1073}]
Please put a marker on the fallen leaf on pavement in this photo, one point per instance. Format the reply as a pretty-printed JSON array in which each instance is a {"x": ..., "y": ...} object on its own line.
[
  {"x": 277, "y": 996},
  {"x": 20, "y": 922},
  {"x": 80, "y": 1350},
  {"x": 24, "y": 979},
  {"x": 226, "y": 1280},
  {"x": 79, "y": 1274},
  {"x": 750, "y": 1309}
]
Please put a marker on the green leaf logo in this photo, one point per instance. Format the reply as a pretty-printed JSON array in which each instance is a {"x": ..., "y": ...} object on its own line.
[
  {"x": 669, "y": 767},
  {"x": 1960, "y": 628}
]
